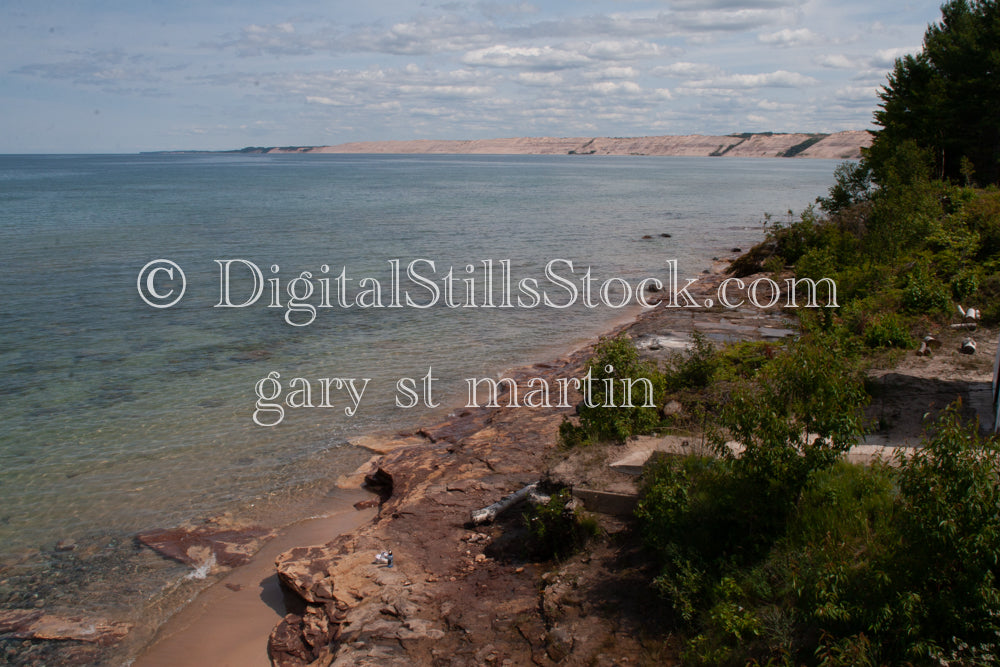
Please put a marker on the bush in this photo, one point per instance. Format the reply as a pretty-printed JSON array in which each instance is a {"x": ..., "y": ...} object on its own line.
[
  {"x": 616, "y": 359},
  {"x": 924, "y": 293},
  {"x": 947, "y": 563},
  {"x": 887, "y": 330},
  {"x": 555, "y": 530}
]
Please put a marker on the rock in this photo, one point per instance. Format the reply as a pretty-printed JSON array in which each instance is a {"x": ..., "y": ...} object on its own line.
[
  {"x": 380, "y": 482},
  {"x": 214, "y": 546},
  {"x": 36, "y": 624},
  {"x": 646, "y": 237},
  {"x": 672, "y": 408},
  {"x": 306, "y": 571},
  {"x": 665, "y": 235},
  {"x": 316, "y": 629},
  {"x": 65, "y": 545},
  {"x": 737, "y": 250},
  {"x": 366, "y": 504},
  {"x": 285, "y": 646}
]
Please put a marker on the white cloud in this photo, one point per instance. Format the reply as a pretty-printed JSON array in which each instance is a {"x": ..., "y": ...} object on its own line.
[
  {"x": 839, "y": 61},
  {"x": 686, "y": 69},
  {"x": 728, "y": 21},
  {"x": 778, "y": 79},
  {"x": 615, "y": 87},
  {"x": 789, "y": 37},
  {"x": 621, "y": 50},
  {"x": 613, "y": 72},
  {"x": 540, "y": 78},
  {"x": 887, "y": 57},
  {"x": 533, "y": 57}
]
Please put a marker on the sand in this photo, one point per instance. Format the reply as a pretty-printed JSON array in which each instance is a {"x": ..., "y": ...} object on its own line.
[{"x": 228, "y": 623}]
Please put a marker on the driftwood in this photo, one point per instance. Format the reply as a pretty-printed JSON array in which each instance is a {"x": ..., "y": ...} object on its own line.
[
  {"x": 927, "y": 344},
  {"x": 964, "y": 325},
  {"x": 488, "y": 514}
]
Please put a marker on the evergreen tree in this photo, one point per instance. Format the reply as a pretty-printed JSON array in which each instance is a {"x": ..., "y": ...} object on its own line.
[{"x": 946, "y": 99}]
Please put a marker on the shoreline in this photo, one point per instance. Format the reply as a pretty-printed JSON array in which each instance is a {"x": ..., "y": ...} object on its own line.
[
  {"x": 843, "y": 145},
  {"x": 489, "y": 438},
  {"x": 228, "y": 622},
  {"x": 456, "y": 589}
]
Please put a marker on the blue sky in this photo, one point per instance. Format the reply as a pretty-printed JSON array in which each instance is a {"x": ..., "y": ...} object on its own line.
[{"x": 131, "y": 75}]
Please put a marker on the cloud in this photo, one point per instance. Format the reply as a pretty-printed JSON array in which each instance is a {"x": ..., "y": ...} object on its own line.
[
  {"x": 887, "y": 57},
  {"x": 881, "y": 60},
  {"x": 613, "y": 72},
  {"x": 731, "y": 4},
  {"x": 440, "y": 34},
  {"x": 615, "y": 88},
  {"x": 739, "y": 20},
  {"x": 540, "y": 78},
  {"x": 532, "y": 57},
  {"x": 789, "y": 37},
  {"x": 686, "y": 70},
  {"x": 279, "y": 39},
  {"x": 621, "y": 50},
  {"x": 777, "y": 79},
  {"x": 114, "y": 71}
]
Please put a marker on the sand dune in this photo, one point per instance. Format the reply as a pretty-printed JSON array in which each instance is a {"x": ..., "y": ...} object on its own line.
[{"x": 841, "y": 145}]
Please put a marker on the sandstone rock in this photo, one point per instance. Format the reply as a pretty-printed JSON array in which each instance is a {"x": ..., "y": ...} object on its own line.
[
  {"x": 380, "y": 482},
  {"x": 229, "y": 546},
  {"x": 36, "y": 624},
  {"x": 306, "y": 571},
  {"x": 285, "y": 646}
]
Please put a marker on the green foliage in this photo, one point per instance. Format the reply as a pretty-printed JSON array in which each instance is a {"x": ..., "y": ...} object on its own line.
[
  {"x": 873, "y": 565},
  {"x": 887, "y": 330},
  {"x": 695, "y": 368},
  {"x": 607, "y": 417},
  {"x": 924, "y": 293},
  {"x": 555, "y": 530},
  {"x": 853, "y": 185},
  {"x": 799, "y": 415},
  {"x": 944, "y": 99},
  {"x": 949, "y": 531}
]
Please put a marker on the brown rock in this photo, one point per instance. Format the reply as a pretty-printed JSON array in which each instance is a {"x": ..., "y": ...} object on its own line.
[
  {"x": 230, "y": 546},
  {"x": 285, "y": 646},
  {"x": 35, "y": 624},
  {"x": 306, "y": 571},
  {"x": 380, "y": 482}
]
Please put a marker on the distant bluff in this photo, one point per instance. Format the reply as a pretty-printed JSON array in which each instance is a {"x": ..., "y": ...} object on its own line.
[{"x": 845, "y": 145}]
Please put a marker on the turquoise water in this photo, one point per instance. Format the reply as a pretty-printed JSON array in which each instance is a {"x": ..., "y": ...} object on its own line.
[{"x": 117, "y": 417}]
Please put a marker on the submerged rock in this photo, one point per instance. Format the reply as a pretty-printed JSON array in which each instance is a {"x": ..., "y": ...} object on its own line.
[
  {"x": 36, "y": 624},
  {"x": 212, "y": 547}
]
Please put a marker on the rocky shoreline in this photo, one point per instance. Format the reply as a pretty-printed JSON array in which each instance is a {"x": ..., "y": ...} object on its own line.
[{"x": 459, "y": 594}]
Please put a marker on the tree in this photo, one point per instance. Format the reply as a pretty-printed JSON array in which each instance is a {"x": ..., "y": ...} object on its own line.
[{"x": 946, "y": 99}]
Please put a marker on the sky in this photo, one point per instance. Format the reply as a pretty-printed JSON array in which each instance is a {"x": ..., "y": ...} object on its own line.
[{"x": 120, "y": 76}]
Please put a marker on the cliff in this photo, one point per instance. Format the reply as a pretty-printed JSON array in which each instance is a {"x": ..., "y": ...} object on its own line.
[{"x": 839, "y": 146}]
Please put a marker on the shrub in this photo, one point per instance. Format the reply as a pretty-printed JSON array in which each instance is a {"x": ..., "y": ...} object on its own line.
[
  {"x": 924, "y": 293},
  {"x": 616, "y": 359},
  {"x": 887, "y": 330},
  {"x": 556, "y": 530}
]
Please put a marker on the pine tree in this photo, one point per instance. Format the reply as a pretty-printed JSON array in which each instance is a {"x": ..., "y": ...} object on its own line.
[{"x": 946, "y": 99}]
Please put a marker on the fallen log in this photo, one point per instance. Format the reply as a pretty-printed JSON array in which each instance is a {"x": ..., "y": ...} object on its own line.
[{"x": 488, "y": 514}]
